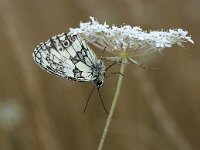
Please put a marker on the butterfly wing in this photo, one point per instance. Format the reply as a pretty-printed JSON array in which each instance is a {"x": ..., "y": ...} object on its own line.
[{"x": 66, "y": 56}]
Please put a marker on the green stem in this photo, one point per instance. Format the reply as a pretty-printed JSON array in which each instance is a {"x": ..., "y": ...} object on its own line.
[{"x": 112, "y": 109}]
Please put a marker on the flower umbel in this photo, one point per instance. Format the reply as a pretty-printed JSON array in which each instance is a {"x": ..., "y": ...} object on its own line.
[{"x": 132, "y": 40}]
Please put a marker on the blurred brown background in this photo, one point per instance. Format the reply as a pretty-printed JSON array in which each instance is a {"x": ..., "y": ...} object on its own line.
[{"x": 157, "y": 109}]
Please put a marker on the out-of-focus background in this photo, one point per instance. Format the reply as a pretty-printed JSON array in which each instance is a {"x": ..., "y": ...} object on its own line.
[{"x": 158, "y": 109}]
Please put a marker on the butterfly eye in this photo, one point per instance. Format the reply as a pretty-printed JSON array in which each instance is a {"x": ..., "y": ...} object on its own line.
[{"x": 100, "y": 83}]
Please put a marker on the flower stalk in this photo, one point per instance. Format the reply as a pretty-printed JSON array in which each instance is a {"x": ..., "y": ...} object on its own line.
[{"x": 113, "y": 107}]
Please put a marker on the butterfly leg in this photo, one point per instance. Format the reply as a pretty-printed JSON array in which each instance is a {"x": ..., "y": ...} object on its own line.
[
  {"x": 102, "y": 102},
  {"x": 113, "y": 73},
  {"x": 140, "y": 65},
  {"x": 88, "y": 100}
]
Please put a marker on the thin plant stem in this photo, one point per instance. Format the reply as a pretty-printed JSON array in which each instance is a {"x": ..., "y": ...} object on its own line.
[{"x": 112, "y": 109}]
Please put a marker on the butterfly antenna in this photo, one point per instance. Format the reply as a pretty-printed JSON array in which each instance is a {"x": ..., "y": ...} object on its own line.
[
  {"x": 102, "y": 102},
  {"x": 88, "y": 99},
  {"x": 102, "y": 58}
]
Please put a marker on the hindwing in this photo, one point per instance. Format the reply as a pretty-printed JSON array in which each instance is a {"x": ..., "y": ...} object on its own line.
[{"x": 66, "y": 56}]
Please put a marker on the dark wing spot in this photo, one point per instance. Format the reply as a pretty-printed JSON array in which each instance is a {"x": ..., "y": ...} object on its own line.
[
  {"x": 77, "y": 73},
  {"x": 52, "y": 43},
  {"x": 80, "y": 55},
  {"x": 72, "y": 38},
  {"x": 74, "y": 61},
  {"x": 66, "y": 43}
]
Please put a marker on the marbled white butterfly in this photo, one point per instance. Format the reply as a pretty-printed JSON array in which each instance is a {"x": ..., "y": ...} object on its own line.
[{"x": 71, "y": 58}]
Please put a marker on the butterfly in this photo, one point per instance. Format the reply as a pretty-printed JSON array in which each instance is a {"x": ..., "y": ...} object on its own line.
[{"x": 70, "y": 57}]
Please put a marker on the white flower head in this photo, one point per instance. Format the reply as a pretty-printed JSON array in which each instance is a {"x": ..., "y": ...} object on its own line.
[{"x": 129, "y": 39}]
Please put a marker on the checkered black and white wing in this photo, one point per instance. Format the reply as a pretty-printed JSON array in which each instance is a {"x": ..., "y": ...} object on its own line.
[{"x": 66, "y": 56}]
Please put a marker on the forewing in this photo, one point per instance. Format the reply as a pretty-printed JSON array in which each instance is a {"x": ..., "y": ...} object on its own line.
[{"x": 67, "y": 57}]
